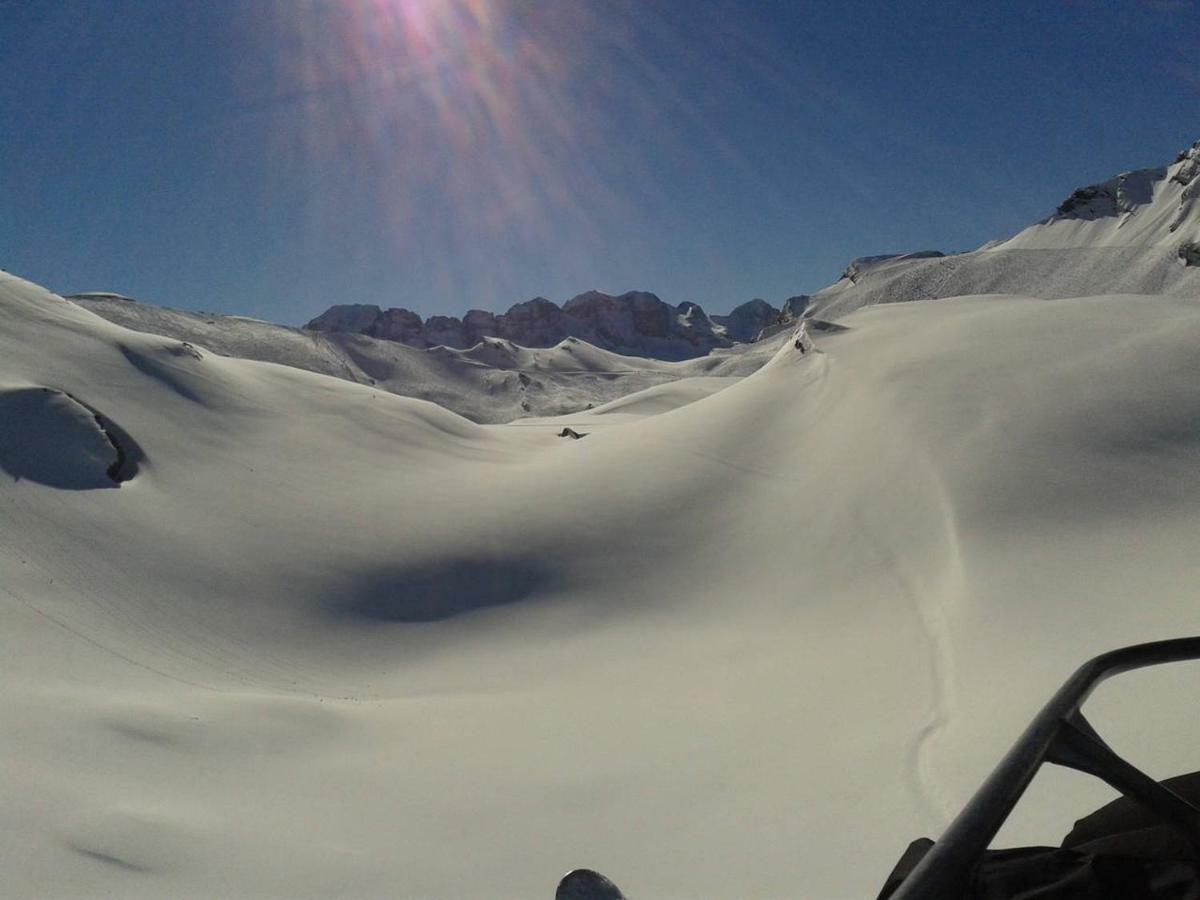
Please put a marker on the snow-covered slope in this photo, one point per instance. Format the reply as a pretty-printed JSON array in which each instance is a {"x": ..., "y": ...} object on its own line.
[
  {"x": 1150, "y": 207},
  {"x": 494, "y": 381},
  {"x": 327, "y": 641},
  {"x": 1138, "y": 232}
]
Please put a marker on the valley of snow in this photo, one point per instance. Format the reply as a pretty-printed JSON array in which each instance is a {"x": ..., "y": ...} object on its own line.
[
  {"x": 493, "y": 381},
  {"x": 747, "y": 638}
]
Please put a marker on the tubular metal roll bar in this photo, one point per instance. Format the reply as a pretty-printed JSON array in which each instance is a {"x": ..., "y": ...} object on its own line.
[{"x": 1061, "y": 735}]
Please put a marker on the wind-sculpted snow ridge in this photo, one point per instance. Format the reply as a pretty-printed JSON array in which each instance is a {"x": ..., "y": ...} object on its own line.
[
  {"x": 1137, "y": 233},
  {"x": 496, "y": 380},
  {"x": 633, "y": 324}
]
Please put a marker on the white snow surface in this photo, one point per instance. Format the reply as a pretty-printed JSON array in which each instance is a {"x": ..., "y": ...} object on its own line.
[
  {"x": 494, "y": 381},
  {"x": 746, "y": 642},
  {"x": 1121, "y": 236}
]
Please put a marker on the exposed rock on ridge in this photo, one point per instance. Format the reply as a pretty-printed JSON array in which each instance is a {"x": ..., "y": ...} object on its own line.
[
  {"x": 1136, "y": 233},
  {"x": 1117, "y": 196},
  {"x": 636, "y": 323},
  {"x": 745, "y": 322}
]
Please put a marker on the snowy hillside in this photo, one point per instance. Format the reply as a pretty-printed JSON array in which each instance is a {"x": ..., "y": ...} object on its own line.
[
  {"x": 1138, "y": 233},
  {"x": 327, "y": 641},
  {"x": 1151, "y": 207},
  {"x": 495, "y": 381}
]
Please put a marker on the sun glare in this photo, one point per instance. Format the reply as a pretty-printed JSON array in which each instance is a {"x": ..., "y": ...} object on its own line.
[{"x": 469, "y": 104}]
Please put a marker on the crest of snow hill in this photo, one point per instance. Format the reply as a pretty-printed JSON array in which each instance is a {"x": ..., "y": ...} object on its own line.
[
  {"x": 1173, "y": 189},
  {"x": 635, "y": 324},
  {"x": 1136, "y": 233}
]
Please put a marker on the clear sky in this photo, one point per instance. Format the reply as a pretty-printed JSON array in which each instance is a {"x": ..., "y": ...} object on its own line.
[{"x": 273, "y": 157}]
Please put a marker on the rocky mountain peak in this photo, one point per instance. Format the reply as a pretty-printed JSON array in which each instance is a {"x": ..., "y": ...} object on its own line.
[
  {"x": 635, "y": 323},
  {"x": 745, "y": 322}
]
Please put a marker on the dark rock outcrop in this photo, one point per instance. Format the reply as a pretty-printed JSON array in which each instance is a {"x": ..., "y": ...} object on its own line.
[
  {"x": 745, "y": 322},
  {"x": 637, "y": 323},
  {"x": 1114, "y": 197},
  {"x": 1191, "y": 165}
]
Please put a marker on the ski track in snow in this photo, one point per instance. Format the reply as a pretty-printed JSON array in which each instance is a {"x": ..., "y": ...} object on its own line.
[
  {"x": 929, "y": 598},
  {"x": 933, "y": 616}
]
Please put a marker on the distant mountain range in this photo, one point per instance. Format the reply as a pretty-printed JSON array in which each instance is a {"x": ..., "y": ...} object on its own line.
[
  {"x": 493, "y": 381},
  {"x": 637, "y": 323},
  {"x": 1136, "y": 233}
]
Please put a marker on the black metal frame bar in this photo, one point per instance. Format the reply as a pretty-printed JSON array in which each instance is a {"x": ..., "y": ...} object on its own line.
[{"x": 1061, "y": 735}]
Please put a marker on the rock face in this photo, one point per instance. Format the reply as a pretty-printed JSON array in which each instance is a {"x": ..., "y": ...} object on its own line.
[
  {"x": 745, "y": 322},
  {"x": 356, "y": 318},
  {"x": 1186, "y": 175},
  {"x": 535, "y": 323},
  {"x": 1114, "y": 197},
  {"x": 1190, "y": 158},
  {"x": 794, "y": 309},
  {"x": 405, "y": 326},
  {"x": 637, "y": 323}
]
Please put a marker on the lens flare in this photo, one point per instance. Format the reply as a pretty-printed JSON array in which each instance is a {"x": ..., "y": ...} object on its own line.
[{"x": 486, "y": 130}]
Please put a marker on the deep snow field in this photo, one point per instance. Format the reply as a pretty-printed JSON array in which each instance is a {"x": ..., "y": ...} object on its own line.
[{"x": 746, "y": 639}]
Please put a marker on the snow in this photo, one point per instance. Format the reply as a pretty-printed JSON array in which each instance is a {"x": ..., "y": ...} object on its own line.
[
  {"x": 493, "y": 381},
  {"x": 1128, "y": 235},
  {"x": 748, "y": 637}
]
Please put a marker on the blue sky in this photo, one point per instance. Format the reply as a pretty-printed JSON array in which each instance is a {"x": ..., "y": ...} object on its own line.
[{"x": 274, "y": 157}]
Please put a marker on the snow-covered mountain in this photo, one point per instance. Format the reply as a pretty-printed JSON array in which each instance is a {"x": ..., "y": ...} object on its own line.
[
  {"x": 637, "y": 323},
  {"x": 746, "y": 322},
  {"x": 496, "y": 380},
  {"x": 1136, "y": 233}
]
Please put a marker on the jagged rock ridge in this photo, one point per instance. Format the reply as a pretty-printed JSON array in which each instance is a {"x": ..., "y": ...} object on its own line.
[{"x": 636, "y": 323}]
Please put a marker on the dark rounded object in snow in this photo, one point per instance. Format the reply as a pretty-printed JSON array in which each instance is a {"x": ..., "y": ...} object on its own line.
[
  {"x": 585, "y": 884},
  {"x": 51, "y": 438}
]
